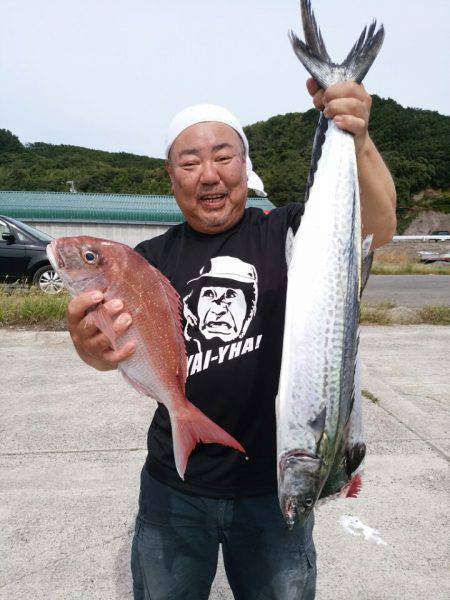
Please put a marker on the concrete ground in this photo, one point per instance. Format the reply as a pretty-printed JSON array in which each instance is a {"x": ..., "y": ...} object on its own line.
[{"x": 73, "y": 441}]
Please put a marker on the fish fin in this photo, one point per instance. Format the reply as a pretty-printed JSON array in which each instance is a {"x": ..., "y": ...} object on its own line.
[
  {"x": 314, "y": 57},
  {"x": 366, "y": 244},
  {"x": 289, "y": 248},
  {"x": 354, "y": 456},
  {"x": 192, "y": 427},
  {"x": 101, "y": 318},
  {"x": 133, "y": 382},
  {"x": 353, "y": 487},
  {"x": 365, "y": 271},
  {"x": 175, "y": 308},
  {"x": 367, "y": 259},
  {"x": 318, "y": 424}
]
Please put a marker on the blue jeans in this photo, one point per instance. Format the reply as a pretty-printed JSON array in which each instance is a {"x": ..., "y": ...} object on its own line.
[{"x": 176, "y": 545}]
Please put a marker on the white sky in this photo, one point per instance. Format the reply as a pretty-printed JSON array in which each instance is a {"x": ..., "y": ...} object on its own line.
[{"x": 110, "y": 74}]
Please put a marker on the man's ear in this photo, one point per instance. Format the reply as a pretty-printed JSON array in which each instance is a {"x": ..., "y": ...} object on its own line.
[{"x": 169, "y": 169}]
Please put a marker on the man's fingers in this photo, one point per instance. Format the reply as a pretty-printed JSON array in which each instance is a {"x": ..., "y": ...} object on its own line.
[
  {"x": 318, "y": 100},
  {"x": 347, "y": 98},
  {"x": 87, "y": 327},
  {"x": 114, "y": 357},
  {"x": 96, "y": 344},
  {"x": 85, "y": 330},
  {"x": 352, "y": 124},
  {"x": 122, "y": 323},
  {"x": 88, "y": 341},
  {"x": 113, "y": 306},
  {"x": 347, "y": 89},
  {"x": 345, "y": 106},
  {"x": 312, "y": 86},
  {"x": 79, "y": 305}
]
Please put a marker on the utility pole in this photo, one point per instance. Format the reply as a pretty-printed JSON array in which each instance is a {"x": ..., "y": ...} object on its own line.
[{"x": 72, "y": 189}]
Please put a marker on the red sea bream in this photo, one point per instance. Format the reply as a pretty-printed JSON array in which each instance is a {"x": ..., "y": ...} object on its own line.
[{"x": 157, "y": 368}]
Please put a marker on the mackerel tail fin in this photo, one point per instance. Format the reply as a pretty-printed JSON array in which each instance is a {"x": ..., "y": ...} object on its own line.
[
  {"x": 314, "y": 56},
  {"x": 191, "y": 427}
]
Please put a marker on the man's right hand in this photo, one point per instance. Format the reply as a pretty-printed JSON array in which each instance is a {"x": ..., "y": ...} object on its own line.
[{"x": 93, "y": 346}]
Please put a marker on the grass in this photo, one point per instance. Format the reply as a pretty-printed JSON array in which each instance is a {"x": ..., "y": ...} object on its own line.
[
  {"x": 369, "y": 396},
  {"x": 376, "y": 315},
  {"x": 382, "y": 314},
  {"x": 29, "y": 307},
  {"x": 435, "y": 315},
  {"x": 409, "y": 268},
  {"x": 394, "y": 262}
]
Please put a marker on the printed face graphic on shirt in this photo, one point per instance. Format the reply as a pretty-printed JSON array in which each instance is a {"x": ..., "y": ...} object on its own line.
[
  {"x": 221, "y": 301},
  {"x": 221, "y": 312}
]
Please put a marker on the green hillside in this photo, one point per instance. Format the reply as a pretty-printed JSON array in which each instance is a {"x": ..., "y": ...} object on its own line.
[
  {"x": 41, "y": 166},
  {"x": 415, "y": 144}
]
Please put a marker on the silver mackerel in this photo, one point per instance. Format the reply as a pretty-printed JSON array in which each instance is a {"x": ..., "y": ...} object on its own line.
[{"x": 320, "y": 442}]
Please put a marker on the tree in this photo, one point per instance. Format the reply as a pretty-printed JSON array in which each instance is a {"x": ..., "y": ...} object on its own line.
[{"x": 9, "y": 142}]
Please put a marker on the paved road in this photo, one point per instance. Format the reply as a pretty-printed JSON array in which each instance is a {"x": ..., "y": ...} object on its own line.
[
  {"x": 72, "y": 445},
  {"x": 408, "y": 290}
]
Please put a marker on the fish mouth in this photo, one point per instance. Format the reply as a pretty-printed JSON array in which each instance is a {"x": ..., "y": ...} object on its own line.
[
  {"x": 298, "y": 484},
  {"x": 290, "y": 510},
  {"x": 295, "y": 509},
  {"x": 55, "y": 260},
  {"x": 296, "y": 455}
]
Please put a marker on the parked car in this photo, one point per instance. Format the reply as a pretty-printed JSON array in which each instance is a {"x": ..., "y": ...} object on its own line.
[
  {"x": 23, "y": 257},
  {"x": 441, "y": 232},
  {"x": 432, "y": 257}
]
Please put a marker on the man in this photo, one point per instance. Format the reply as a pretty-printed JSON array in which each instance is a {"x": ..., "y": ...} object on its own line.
[{"x": 234, "y": 367}]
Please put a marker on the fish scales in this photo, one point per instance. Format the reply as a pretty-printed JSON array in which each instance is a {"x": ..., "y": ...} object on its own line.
[
  {"x": 147, "y": 296},
  {"x": 319, "y": 420},
  {"x": 158, "y": 366}
]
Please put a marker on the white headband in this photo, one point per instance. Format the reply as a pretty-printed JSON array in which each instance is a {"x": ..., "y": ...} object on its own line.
[{"x": 201, "y": 113}]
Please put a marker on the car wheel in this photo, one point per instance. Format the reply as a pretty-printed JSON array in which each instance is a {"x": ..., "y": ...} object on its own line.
[{"x": 47, "y": 280}]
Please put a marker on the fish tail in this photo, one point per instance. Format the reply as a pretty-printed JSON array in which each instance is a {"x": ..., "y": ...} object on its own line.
[
  {"x": 189, "y": 428},
  {"x": 314, "y": 57}
]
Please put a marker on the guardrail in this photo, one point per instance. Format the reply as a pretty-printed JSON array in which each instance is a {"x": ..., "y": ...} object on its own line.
[{"x": 421, "y": 238}]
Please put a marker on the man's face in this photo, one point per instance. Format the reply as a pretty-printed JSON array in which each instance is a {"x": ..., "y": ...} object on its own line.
[
  {"x": 221, "y": 312},
  {"x": 207, "y": 170}
]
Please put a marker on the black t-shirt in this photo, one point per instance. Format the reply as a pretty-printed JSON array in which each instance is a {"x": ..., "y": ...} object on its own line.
[{"x": 232, "y": 287}]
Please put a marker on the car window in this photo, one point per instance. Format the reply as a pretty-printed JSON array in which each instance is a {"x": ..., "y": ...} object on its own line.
[
  {"x": 3, "y": 229},
  {"x": 44, "y": 237},
  {"x": 22, "y": 237}
]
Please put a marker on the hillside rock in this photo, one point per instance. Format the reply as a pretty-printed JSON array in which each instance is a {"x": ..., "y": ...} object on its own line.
[{"x": 428, "y": 221}]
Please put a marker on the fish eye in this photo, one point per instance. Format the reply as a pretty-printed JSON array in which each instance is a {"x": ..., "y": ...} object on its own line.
[{"x": 89, "y": 257}]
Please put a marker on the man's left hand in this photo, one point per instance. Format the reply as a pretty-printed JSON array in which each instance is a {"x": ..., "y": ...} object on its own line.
[{"x": 348, "y": 104}]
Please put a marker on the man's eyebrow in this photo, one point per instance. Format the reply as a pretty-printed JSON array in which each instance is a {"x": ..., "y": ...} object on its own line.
[
  {"x": 196, "y": 152},
  {"x": 189, "y": 151},
  {"x": 221, "y": 146}
]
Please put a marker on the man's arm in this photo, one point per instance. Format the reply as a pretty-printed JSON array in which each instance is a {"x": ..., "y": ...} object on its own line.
[
  {"x": 378, "y": 196},
  {"x": 348, "y": 104}
]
